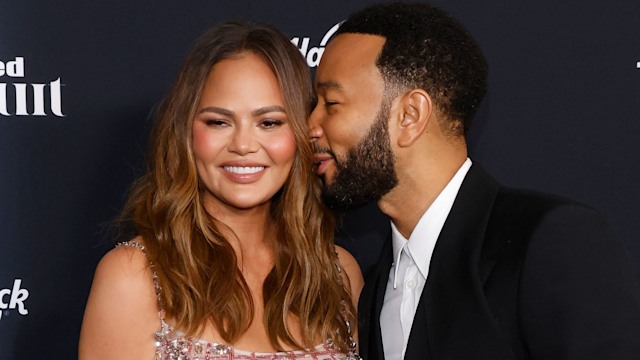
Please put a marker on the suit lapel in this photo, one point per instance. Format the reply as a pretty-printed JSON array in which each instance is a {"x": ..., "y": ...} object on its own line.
[{"x": 458, "y": 322}]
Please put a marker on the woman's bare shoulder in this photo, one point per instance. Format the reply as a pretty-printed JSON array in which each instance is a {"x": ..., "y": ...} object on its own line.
[{"x": 122, "y": 312}]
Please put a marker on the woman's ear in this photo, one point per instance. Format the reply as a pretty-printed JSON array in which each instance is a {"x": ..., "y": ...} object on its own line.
[{"x": 417, "y": 110}]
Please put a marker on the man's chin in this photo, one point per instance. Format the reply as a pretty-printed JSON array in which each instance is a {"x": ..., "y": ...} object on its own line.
[{"x": 340, "y": 202}]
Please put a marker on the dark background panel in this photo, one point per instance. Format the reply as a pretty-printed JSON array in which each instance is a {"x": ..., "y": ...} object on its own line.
[{"x": 561, "y": 116}]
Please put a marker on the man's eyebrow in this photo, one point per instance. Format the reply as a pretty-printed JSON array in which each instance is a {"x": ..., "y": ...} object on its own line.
[{"x": 328, "y": 85}]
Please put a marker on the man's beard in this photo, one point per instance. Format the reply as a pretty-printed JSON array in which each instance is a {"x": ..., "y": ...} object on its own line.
[{"x": 367, "y": 172}]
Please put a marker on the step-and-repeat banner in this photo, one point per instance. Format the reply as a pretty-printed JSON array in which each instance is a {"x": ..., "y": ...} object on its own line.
[{"x": 78, "y": 80}]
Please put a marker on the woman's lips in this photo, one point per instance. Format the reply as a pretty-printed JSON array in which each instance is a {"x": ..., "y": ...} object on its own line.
[{"x": 244, "y": 174}]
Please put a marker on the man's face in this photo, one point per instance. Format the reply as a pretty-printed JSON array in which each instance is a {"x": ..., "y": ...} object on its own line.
[{"x": 349, "y": 123}]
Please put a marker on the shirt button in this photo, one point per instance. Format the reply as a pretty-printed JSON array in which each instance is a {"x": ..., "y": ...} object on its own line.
[{"x": 411, "y": 284}]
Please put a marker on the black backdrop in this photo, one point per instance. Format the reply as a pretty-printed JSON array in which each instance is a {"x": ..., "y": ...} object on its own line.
[{"x": 562, "y": 116}]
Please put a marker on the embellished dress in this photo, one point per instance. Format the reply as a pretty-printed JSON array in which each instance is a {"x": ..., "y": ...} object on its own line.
[{"x": 173, "y": 345}]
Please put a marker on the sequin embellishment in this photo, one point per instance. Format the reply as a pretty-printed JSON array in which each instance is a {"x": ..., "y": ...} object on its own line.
[{"x": 172, "y": 345}]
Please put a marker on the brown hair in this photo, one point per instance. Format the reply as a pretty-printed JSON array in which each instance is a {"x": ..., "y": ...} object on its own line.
[{"x": 196, "y": 266}]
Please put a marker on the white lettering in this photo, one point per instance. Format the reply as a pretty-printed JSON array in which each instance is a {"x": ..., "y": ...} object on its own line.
[
  {"x": 13, "y": 68},
  {"x": 314, "y": 54},
  {"x": 16, "y": 300},
  {"x": 38, "y": 100},
  {"x": 3, "y": 293},
  {"x": 56, "y": 98},
  {"x": 329, "y": 34},
  {"x": 22, "y": 97},
  {"x": 3, "y": 100},
  {"x": 305, "y": 44},
  {"x": 18, "y": 296}
]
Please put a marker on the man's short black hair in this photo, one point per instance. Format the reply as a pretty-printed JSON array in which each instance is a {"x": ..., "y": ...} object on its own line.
[{"x": 426, "y": 48}]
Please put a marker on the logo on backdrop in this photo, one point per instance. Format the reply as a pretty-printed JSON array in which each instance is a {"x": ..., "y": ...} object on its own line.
[
  {"x": 314, "y": 53},
  {"x": 13, "y": 299},
  {"x": 19, "y": 98}
]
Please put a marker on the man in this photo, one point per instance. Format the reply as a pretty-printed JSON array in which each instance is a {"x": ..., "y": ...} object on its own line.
[{"x": 472, "y": 269}]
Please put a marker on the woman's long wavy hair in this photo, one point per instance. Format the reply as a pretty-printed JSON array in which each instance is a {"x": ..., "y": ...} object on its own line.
[{"x": 196, "y": 266}]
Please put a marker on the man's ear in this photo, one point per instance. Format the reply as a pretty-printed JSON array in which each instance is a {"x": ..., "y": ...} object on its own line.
[{"x": 417, "y": 111}]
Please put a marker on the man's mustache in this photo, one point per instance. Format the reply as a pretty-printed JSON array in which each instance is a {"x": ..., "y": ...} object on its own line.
[{"x": 318, "y": 149}]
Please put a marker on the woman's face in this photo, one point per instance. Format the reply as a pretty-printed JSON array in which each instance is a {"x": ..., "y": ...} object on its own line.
[{"x": 243, "y": 144}]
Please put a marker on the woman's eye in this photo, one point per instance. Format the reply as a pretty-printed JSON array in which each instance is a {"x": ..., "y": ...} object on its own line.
[
  {"x": 216, "y": 122},
  {"x": 271, "y": 123}
]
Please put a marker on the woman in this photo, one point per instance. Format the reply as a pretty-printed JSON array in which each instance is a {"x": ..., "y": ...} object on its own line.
[{"x": 234, "y": 254}]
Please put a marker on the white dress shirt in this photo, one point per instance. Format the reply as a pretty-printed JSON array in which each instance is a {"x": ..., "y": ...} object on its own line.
[{"x": 409, "y": 272}]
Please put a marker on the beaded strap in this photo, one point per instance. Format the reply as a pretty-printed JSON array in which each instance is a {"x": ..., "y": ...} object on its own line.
[
  {"x": 352, "y": 355},
  {"x": 156, "y": 283},
  {"x": 162, "y": 335}
]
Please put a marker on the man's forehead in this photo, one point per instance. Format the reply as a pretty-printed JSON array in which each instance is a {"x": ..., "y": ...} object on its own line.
[
  {"x": 359, "y": 39},
  {"x": 346, "y": 54},
  {"x": 351, "y": 47},
  {"x": 328, "y": 85}
]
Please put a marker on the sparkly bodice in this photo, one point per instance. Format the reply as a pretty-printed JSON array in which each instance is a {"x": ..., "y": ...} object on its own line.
[{"x": 173, "y": 345}]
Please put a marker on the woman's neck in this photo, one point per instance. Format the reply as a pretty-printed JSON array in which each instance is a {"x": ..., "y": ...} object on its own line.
[{"x": 249, "y": 231}]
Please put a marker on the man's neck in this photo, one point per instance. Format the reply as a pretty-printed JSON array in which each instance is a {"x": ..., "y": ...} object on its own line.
[{"x": 416, "y": 191}]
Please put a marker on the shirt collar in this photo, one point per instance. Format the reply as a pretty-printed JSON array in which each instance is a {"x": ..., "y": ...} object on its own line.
[{"x": 423, "y": 239}]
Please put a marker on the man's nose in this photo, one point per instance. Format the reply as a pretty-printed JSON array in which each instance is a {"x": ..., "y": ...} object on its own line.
[{"x": 315, "y": 130}]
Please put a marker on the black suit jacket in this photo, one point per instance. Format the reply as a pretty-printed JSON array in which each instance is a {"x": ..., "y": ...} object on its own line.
[{"x": 516, "y": 275}]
